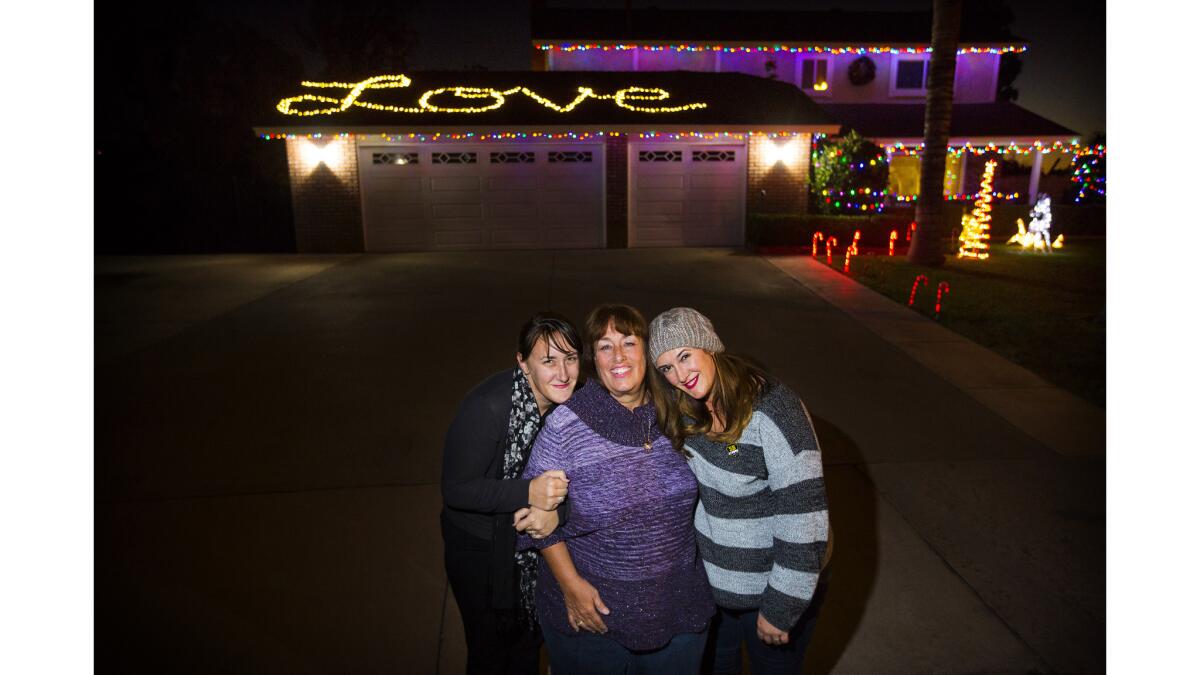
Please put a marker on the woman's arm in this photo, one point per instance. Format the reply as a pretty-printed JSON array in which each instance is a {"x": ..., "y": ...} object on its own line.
[
  {"x": 584, "y": 605},
  {"x": 479, "y": 428},
  {"x": 800, "y": 514}
]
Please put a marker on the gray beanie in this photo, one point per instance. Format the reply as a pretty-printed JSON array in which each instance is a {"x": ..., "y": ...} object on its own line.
[{"x": 682, "y": 327}]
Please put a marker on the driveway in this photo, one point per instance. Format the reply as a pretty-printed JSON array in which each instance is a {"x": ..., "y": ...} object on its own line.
[{"x": 268, "y": 448}]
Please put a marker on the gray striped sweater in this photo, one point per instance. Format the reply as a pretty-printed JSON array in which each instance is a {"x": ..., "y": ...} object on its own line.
[{"x": 763, "y": 523}]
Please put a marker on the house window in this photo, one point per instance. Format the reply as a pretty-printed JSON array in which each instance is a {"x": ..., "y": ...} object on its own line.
[
  {"x": 570, "y": 157},
  {"x": 909, "y": 76},
  {"x": 401, "y": 158},
  {"x": 660, "y": 156},
  {"x": 814, "y": 75},
  {"x": 453, "y": 158}
]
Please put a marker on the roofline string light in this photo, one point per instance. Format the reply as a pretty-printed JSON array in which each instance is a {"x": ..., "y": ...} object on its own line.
[
  {"x": 770, "y": 48},
  {"x": 626, "y": 98},
  {"x": 1012, "y": 148},
  {"x": 540, "y": 135}
]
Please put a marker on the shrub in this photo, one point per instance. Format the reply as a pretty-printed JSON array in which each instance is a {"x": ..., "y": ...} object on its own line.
[{"x": 849, "y": 175}]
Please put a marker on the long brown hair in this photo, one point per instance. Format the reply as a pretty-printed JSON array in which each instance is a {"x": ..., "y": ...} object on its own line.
[{"x": 735, "y": 390}]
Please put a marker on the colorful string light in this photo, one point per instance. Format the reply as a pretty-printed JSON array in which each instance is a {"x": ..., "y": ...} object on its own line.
[
  {"x": 1089, "y": 173},
  {"x": 771, "y": 48},
  {"x": 622, "y": 98},
  {"x": 1012, "y": 148},
  {"x": 537, "y": 135}
]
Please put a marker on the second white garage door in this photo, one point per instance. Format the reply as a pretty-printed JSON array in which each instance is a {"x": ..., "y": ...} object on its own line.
[
  {"x": 457, "y": 197},
  {"x": 687, "y": 195}
]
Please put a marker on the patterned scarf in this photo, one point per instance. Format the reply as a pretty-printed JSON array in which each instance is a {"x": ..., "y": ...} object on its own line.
[{"x": 524, "y": 421}]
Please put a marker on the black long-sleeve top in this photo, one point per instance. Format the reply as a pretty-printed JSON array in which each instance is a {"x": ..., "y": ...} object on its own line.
[{"x": 473, "y": 459}]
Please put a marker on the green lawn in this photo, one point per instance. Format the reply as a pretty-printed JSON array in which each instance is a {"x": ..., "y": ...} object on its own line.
[{"x": 1045, "y": 312}]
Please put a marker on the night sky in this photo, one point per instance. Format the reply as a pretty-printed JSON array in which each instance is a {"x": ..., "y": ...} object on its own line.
[{"x": 1062, "y": 78}]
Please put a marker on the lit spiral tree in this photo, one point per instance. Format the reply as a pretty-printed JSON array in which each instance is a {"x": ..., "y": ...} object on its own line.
[{"x": 976, "y": 226}]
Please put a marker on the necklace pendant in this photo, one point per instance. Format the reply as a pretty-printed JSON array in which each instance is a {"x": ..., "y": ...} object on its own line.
[{"x": 646, "y": 445}]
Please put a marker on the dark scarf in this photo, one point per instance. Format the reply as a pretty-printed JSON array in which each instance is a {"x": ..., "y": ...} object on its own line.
[{"x": 524, "y": 422}]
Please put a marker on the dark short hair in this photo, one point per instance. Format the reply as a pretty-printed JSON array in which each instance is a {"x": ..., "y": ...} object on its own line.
[
  {"x": 625, "y": 319},
  {"x": 550, "y": 325}
]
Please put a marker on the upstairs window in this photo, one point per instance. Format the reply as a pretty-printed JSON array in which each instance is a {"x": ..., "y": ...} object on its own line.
[
  {"x": 909, "y": 76},
  {"x": 814, "y": 75}
]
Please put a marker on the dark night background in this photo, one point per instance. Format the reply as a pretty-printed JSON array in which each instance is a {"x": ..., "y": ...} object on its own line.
[{"x": 178, "y": 168}]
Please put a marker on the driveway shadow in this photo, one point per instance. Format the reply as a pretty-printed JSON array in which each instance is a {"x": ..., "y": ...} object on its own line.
[{"x": 854, "y": 566}]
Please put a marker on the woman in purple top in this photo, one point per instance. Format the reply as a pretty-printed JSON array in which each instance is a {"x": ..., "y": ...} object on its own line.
[{"x": 621, "y": 587}]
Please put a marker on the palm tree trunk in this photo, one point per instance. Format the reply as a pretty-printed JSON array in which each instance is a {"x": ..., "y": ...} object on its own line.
[{"x": 929, "y": 239}]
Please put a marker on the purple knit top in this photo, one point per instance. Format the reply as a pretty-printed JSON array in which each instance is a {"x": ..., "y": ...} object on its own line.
[{"x": 630, "y": 533}]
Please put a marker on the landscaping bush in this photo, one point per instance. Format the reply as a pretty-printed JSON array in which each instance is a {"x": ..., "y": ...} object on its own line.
[{"x": 845, "y": 168}]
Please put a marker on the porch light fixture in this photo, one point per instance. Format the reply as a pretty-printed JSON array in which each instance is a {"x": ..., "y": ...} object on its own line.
[
  {"x": 314, "y": 155},
  {"x": 787, "y": 154}
]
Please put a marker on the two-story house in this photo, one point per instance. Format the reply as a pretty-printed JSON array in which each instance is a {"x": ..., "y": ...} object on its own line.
[
  {"x": 866, "y": 69},
  {"x": 642, "y": 128}
]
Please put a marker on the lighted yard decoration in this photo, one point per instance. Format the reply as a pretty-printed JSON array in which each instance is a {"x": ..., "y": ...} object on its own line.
[
  {"x": 629, "y": 98},
  {"x": 852, "y": 249},
  {"x": 892, "y": 242},
  {"x": 917, "y": 281},
  {"x": 817, "y": 236},
  {"x": 1037, "y": 236},
  {"x": 973, "y": 242},
  {"x": 943, "y": 287},
  {"x": 829, "y": 244}
]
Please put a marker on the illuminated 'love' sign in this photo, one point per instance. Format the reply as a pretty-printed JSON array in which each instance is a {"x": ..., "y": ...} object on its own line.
[{"x": 489, "y": 99}]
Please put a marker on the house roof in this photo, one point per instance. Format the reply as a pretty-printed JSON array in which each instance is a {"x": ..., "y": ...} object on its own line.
[
  {"x": 830, "y": 26},
  {"x": 732, "y": 99},
  {"x": 993, "y": 121}
]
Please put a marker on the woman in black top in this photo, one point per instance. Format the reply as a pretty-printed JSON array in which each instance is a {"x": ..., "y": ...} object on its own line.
[{"x": 486, "y": 449}]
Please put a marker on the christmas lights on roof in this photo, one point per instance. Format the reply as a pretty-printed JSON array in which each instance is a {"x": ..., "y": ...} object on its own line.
[
  {"x": 537, "y": 135},
  {"x": 771, "y": 48},
  {"x": 626, "y": 98}
]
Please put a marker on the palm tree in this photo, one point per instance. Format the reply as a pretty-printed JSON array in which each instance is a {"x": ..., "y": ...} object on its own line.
[{"x": 929, "y": 240}]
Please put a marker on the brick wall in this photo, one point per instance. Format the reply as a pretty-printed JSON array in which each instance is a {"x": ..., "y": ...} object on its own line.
[
  {"x": 778, "y": 187},
  {"x": 616, "y": 190},
  {"x": 326, "y": 206}
]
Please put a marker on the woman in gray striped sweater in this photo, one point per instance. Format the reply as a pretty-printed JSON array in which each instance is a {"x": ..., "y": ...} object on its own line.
[{"x": 762, "y": 524}]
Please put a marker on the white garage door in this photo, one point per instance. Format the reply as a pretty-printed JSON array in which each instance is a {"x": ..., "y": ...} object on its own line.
[
  {"x": 454, "y": 197},
  {"x": 687, "y": 195}
]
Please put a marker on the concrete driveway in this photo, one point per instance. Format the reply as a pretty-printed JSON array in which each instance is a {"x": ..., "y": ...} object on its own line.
[{"x": 268, "y": 447}]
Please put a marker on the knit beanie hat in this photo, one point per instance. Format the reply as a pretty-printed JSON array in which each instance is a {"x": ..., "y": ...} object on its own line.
[{"x": 682, "y": 327}]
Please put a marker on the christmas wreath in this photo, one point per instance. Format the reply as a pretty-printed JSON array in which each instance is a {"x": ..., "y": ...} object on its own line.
[{"x": 862, "y": 71}]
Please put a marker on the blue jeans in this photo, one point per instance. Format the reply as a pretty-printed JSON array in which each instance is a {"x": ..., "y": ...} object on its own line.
[
  {"x": 586, "y": 653},
  {"x": 732, "y": 627}
]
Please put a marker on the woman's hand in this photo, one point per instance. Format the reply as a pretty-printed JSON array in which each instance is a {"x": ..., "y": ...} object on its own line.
[
  {"x": 548, "y": 490},
  {"x": 769, "y": 633},
  {"x": 535, "y": 522},
  {"x": 584, "y": 606}
]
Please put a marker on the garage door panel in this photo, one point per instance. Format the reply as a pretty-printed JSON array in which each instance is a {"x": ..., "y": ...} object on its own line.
[
  {"x": 499, "y": 212},
  {"x": 709, "y": 181},
  {"x": 511, "y": 203},
  {"x": 659, "y": 181},
  {"x": 507, "y": 183},
  {"x": 699, "y": 201},
  {"x": 457, "y": 211},
  {"x": 567, "y": 211},
  {"x": 456, "y": 183}
]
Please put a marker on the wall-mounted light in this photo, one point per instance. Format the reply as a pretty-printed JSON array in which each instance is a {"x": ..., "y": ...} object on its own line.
[
  {"x": 329, "y": 154},
  {"x": 787, "y": 153}
]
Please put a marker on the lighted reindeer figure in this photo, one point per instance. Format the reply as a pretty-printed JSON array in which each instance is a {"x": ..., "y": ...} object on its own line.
[{"x": 1037, "y": 236}]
